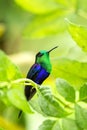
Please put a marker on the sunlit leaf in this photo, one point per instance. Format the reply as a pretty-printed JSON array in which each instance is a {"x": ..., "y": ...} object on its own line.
[
  {"x": 49, "y": 19},
  {"x": 69, "y": 124},
  {"x": 49, "y": 125},
  {"x": 8, "y": 70},
  {"x": 65, "y": 89},
  {"x": 41, "y": 6},
  {"x": 83, "y": 93},
  {"x": 71, "y": 70},
  {"x": 45, "y": 25},
  {"x": 78, "y": 33},
  {"x": 81, "y": 117},
  {"x": 49, "y": 105}
]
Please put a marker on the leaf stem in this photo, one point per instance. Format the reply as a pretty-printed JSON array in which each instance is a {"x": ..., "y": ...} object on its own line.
[
  {"x": 66, "y": 105},
  {"x": 25, "y": 81}
]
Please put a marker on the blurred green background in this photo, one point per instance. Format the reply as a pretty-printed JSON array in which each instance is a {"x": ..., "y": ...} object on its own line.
[{"x": 29, "y": 26}]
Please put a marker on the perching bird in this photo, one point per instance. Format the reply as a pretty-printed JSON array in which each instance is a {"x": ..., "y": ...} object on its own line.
[{"x": 39, "y": 71}]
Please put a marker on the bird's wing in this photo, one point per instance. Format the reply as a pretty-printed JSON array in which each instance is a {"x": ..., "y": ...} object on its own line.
[
  {"x": 29, "y": 91},
  {"x": 33, "y": 71}
]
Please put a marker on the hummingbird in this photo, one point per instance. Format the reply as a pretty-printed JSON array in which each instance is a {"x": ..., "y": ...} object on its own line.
[{"x": 38, "y": 72}]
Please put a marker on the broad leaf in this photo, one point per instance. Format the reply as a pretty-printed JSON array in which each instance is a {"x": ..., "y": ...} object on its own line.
[
  {"x": 50, "y": 125},
  {"x": 34, "y": 104},
  {"x": 69, "y": 124},
  {"x": 65, "y": 89},
  {"x": 78, "y": 33},
  {"x": 81, "y": 117},
  {"x": 8, "y": 70},
  {"x": 71, "y": 70},
  {"x": 83, "y": 93},
  {"x": 49, "y": 105}
]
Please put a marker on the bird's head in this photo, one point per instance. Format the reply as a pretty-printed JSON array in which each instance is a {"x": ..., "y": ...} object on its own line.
[{"x": 42, "y": 57}]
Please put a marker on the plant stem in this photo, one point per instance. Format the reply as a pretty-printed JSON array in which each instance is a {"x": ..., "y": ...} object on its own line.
[
  {"x": 25, "y": 81},
  {"x": 62, "y": 102}
]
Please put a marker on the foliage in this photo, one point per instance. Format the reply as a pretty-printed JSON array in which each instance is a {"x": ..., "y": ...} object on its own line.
[
  {"x": 66, "y": 107},
  {"x": 8, "y": 81},
  {"x": 47, "y": 103},
  {"x": 48, "y": 20},
  {"x": 72, "y": 70}
]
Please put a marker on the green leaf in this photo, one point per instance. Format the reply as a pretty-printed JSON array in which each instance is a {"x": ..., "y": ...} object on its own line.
[
  {"x": 81, "y": 117},
  {"x": 49, "y": 125},
  {"x": 71, "y": 70},
  {"x": 78, "y": 33},
  {"x": 38, "y": 6},
  {"x": 83, "y": 93},
  {"x": 34, "y": 104},
  {"x": 45, "y": 25},
  {"x": 17, "y": 98},
  {"x": 42, "y": 6},
  {"x": 49, "y": 16},
  {"x": 8, "y": 70},
  {"x": 69, "y": 124},
  {"x": 49, "y": 105},
  {"x": 65, "y": 89}
]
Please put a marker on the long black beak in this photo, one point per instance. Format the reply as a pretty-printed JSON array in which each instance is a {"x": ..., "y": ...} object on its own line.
[{"x": 52, "y": 49}]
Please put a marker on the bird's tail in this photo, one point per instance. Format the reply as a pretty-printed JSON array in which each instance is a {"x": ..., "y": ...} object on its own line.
[
  {"x": 29, "y": 93},
  {"x": 20, "y": 112}
]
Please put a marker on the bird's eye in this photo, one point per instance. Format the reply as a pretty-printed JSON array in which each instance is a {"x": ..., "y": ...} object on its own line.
[{"x": 39, "y": 54}]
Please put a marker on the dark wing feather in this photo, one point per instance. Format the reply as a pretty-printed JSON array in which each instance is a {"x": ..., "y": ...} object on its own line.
[
  {"x": 33, "y": 71},
  {"x": 32, "y": 74}
]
